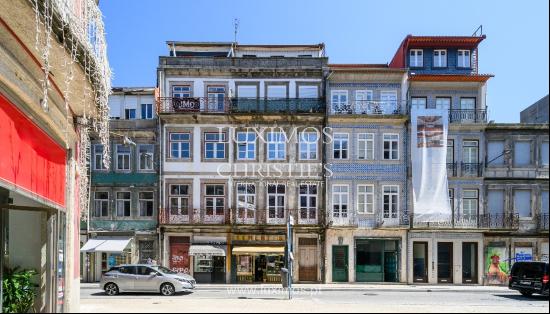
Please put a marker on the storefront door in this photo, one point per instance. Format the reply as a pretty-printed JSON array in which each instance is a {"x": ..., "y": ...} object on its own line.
[
  {"x": 445, "y": 262},
  {"x": 307, "y": 259},
  {"x": 340, "y": 263},
  {"x": 179, "y": 254},
  {"x": 469, "y": 262},
  {"x": 420, "y": 262}
]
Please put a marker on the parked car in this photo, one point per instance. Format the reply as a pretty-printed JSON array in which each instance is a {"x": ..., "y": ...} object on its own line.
[
  {"x": 145, "y": 278},
  {"x": 529, "y": 278}
]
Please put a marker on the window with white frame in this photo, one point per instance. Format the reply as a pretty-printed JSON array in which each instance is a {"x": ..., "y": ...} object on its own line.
[
  {"x": 440, "y": 58},
  {"x": 147, "y": 111},
  {"x": 180, "y": 145},
  {"x": 365, "y": 146},
  {"x": 420, "y": 102},
  {"x": 246, "y": 145},
  {"x": 340, "y": 201},
  {"x": 391, "y": 146},
  {"x": 467, "y": 103},
  {"x": 123, "y": 204},
  {"x": 340, "y": 146},
  {"x": 308, "y": 201},
  {"x": 246, "y": 200},
  {"x": 464, "y": 60},
  {"x": 470, "y": 204},
  {"x": 146, "y": 204},
  {"x": 146, "y": 156},
  {"x": 101, "y": 204},
  {"x": 365, "y": 199},
  {"x": 442, "y": 102},
  {"x": 388, "y": 103},
  {"x": 544, "y": 153},
  {"x": 214, "y": 145},
  {"x": 363, "y": 101},
  {"x": 308, "y": 145},
  {"x": 276, "y": 199},
  {"x": 339, "y": 101},
  {"x": 179, "y": 199},
  {"x": 416, "y": 58},
  {"x": 123, "y": 157},
  {"x": 98, "y": 158},
  {"x": 216, "y": 98},
  {"x": 470, "y": 152},
  {"x": 181, "y": 91},
  {"x": 391, "y": 201},
  {"x": 215, "y": 199},
  {"x": 130, "y": 114},
  {"x": 276, "y": 146}
]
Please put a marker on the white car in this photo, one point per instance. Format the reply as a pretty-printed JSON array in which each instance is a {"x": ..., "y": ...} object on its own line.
[{"x": 145, "y": 278}]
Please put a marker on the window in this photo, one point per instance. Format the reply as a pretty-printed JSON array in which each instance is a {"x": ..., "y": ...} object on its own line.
[
  {"x": 308, "y": 201},
  {"x": 146, "y": 157},
  {"x": 340, "y": 201},
  {"x": 276, "y": 91},
  {"x": 214, "y": 145},
  {"x": 146, "y": 204},
  {"x": 216, "y": 98},
  {"x": 443, "y": 102},
  {"x": 308, "y": 91},
  {"x": 340, "y": 146},
  {"x": 276, "y": 146},
  {"x": 388, "y": 102},
  {"x": 363, "y": 101},
  {"x": 391, "y": 146},
  {"x": 246, "y": 200},
  {"x": 123, "y": 204},
  {"x": 123, "y": 154},
  {"x": 495, "y": 202},
  {"x": 98, "y": 158},
  {"x": 179, "y": 200},
  {"x": 339, "y": 101},
  {"x": 467, "y": 103},
  {"x": 183, "y": 91},
  {"x": 391, "y": 201},
  {"x": 308, "y": 145},
  {"x": 470, "y": 151},
  {"x": 544, "y": 202},
  {"x": 464, "y": 60},
  {"x": 246, "y": 145},
  {"x": 470, "y": 201},
  {"x": 440, "y": 58},
  {"x": 101, "y": 204},
  {"x": 180, "y": 145},
  {"x": 215, "y": 200},
  {"x": 365, "y": 199},
  {"x": 247, "y": 91},
  {"x": 416, "y": 58},
  {"x": 450, "y": 151},
  {"x": 129, "y": 114},
  {"x": 452, "y": 199},
  {"x": 276, "y": 194},
  {"x": 522, "y": 153},
  {"x": 522, "y": 203},
  {"x": 420, "y": 102},
  {"x": 495, "y": 153},
  {"x": 365, "y": 146},
  {"x": 147, "y": 111},
  {"x": 544, "y": 154}
]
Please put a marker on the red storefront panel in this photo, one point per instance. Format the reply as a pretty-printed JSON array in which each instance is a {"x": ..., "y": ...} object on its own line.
[
  {"x": 179, "y": 254},
  {"x": 30, "y": 159}
]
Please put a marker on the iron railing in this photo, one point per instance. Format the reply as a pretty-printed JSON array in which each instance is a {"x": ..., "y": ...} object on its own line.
[
  {"x": 452, "y": 169},
  {"x": 371, "y": 107},
  {"x": 481, "y": 221},
  {"x": 499, "y": 221},
  {"x": 277, "y": 105},
  {"x": 542, "y": 222},
  {"x": 193, "y": 105},
  {"x": 471, "y": 169},
  {"x": 468, "y": 116}
]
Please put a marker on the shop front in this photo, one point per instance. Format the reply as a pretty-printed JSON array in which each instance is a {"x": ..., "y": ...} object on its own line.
[
  {"x": 377, "y": 260},
  {"x": 209, "y": 259},
  {"x": 103, "y": 253}
]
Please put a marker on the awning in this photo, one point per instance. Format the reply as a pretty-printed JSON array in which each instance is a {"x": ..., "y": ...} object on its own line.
[
  {"x": 114, "y": 245},
  {"x": 213, "y": 250},
  {"x": 259, "y": 250}
]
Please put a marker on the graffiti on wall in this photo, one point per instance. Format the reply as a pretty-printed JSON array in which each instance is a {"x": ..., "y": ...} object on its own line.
[{"x": 496, "y": 266}]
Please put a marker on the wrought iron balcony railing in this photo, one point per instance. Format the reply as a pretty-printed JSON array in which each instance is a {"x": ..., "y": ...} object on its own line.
[
  {"x": 193, "y": 105},
  {"x": 499, "y": 221},
  {"x": 481, "y": 221},
  {"x": 452, "y": 169},
  {"x": 471, "y": 169},
  {"x": 371, "y": 107},
  {"x": 542, "y": 222},
  {"x": 277, "y": 105},
  {"x": 468, "y": 116}
]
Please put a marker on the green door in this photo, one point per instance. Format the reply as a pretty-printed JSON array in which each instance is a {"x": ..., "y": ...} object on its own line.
[{"x": 340, "y": 264}]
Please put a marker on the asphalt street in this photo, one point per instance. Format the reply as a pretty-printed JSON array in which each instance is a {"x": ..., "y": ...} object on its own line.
[{"x": 249, "y": 299}]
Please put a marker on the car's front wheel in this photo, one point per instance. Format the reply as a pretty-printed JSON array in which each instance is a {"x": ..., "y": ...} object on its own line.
[
  {"x": 526, "y": 293},
  {"x": 167, "y": 290},
  {"x": 111, "y": 289}
]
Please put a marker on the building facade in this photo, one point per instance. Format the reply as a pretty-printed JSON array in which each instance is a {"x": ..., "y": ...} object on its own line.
[
  {"x": 124, "y": 198},
  {"x": 44, "y": 122},
  {"x": 537, "y": 112},
  {"x": 241, "y": 153}
]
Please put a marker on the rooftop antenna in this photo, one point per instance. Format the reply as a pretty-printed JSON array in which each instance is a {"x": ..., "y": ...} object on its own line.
[
  {"x": 236, "y": 30},
  {"x": 480, "y": 30}
]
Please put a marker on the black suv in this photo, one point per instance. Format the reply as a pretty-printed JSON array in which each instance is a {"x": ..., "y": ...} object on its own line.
[{"x": 529, "y": 278}]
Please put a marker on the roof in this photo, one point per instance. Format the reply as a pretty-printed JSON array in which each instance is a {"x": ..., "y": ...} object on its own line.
[
  {"x": 467, "y": 42},
  {"x": 229, "y": 44},
  {"x": 450, "y": 77},
  {"x": 370, "y": 68},
  {"x": 133, "y": 90}
]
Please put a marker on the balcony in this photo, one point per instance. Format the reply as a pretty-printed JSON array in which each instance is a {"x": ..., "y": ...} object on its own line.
[
  {"x": 542, "y": 222},
  {"x": 369, "y": 108},
  {"x": 481, "y": 221},
  {"x": 175, "y": 216},
  {"x": 167, "y": 105},
  {"x": 499, "y": 221},
  {"x": 471, "y": 169},
  {"x": 452, "y": 169},
  {"x": 277, "y": 106},
  {"x": 468, "y": 116}
]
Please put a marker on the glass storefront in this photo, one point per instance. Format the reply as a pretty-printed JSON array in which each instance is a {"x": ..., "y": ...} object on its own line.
[
  {"x": 209, "y": 269},
  {"x": 376, "y": 260},
  {"x": 259, "y": 268}
]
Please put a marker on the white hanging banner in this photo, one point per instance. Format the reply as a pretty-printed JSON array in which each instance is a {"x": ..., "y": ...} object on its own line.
[{"x": 429, "y": 128}]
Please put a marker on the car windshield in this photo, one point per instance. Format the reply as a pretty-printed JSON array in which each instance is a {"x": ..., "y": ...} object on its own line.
[{"x": 163, "y": 270}]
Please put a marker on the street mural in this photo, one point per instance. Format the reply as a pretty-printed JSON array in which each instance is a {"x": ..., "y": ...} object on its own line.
[{"x": 496, "y": 266}]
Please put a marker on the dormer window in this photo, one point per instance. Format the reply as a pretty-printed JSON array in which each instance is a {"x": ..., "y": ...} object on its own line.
[
  {"x": 416, "y": 58},
  {"x": 464, "y": 60},
  {"x": 440, "y": 58}
]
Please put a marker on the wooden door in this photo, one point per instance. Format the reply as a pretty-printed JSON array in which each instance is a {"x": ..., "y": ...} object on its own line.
[
  {"x": 179, "y": 254},
  {"x": 340, "y": 263},
  {"x": 307, "y": 259}
]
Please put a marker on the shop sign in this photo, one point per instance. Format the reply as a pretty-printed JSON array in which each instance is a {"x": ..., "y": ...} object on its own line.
[{"x": 524, "y": 254}]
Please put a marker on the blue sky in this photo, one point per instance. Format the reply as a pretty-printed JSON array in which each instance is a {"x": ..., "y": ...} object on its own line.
[{"x": 354, "y": 31}]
